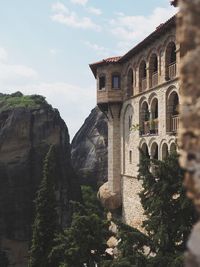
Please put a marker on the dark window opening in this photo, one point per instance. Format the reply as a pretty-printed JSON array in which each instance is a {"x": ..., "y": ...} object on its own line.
[
  {"x": 130, "y": 156},
  {"x": 116, "y": 81},
  {"x": 173, "y": 54},
  {"x": 102, "y": 82}
]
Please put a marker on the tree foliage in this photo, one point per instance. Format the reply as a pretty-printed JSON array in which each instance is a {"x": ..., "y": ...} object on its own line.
[
  {"x": 3, "y": 259},
  {"x": 45, "y": 224},
  {"x": 169, "y": 213},
  {"x": 84, "y": 242}
]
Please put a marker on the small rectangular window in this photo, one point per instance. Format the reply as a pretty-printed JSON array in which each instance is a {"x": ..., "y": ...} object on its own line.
[
  {"x": 130, "y": 122},
  {"x": 116, "y": 81},
  {"x": 130, "y": 156},
  {"x": 102, "y": 82}
]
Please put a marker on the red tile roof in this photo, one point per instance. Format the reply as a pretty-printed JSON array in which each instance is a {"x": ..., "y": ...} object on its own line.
[
  {"x": 149, "y": 39},
  {"x": 111, "y": 59},
  {"x": 108, "y": 60},
  {"x": 161, "y": 29}
]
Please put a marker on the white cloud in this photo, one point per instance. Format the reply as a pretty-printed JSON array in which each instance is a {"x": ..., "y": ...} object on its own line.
[
  {"x": 95, "y": 11},
  {"x": 129, "y": 30},
  {"x": 3, "y": 54},
  {"x": 73, "y": 102},
  {"x": 79, "y": 2},
  {"x": 101, "y": 50},
  {"x": 63, "y": 16},
  {"x": 8, "y": 70},
  {"x": 59, "y": 7},
  {"x": 14, "y": 71},
  {"x": 73, "y": 20}
]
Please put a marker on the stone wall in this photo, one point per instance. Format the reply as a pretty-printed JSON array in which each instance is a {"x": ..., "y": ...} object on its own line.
[
  {"x": 131, "y": 139},
  {"x": 189, "y": 37}
]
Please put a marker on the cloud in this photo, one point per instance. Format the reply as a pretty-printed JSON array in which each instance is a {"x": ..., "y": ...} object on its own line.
[
  {"x": 71, "y": 19},
  {"x": 79, "y": 2},
  {"x": 3, "y": 54},
  {"x": 101, "y": 50},
  {"x": 14, "y": 71},
  {"x": 72, "y": 101},
  {"x": 129, "y": 30},
  {"x": 59, "y": 7},
  {"x": 95, "y": 11}
]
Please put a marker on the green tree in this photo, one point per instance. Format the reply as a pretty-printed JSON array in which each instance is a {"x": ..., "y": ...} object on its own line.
[
  {"x": 169, "y": 213},
  {"x": 84, "y": 242},
  {"x": 131, "y": 248},
  {"x": 3, "y": 259},
  {"x": 45, "y": 224}
]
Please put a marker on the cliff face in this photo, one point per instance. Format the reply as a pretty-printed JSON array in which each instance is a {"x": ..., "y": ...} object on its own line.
[
  {"x": 28, "y": 127},
  {"x": 89, "y": 150}
]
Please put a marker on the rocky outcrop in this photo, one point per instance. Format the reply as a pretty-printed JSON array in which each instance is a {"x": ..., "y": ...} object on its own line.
[
  {"x": 89, "y": 149},
  {"x": 28, "y": 127},
  {"x": 111, "y": 201}
]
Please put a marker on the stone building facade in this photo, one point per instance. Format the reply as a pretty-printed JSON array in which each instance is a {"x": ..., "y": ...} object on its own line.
[{"x": 139, "y": 93}]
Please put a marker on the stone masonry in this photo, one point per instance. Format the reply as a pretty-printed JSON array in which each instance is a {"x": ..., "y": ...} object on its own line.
[
  {"x": 189, "y": 137},
  {"x": 140, "y": 98}
]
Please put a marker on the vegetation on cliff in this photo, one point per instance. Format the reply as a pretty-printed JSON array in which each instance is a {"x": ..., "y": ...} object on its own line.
[{"x": 18, "y": 100}]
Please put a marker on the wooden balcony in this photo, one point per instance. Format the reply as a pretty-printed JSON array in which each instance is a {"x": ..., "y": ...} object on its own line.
[
  {"x": 149, "y": 127},
  {"x": 144, "y": 84},
  {"x": 154, "y": 79},
  {"x": 172, "y": 70},
  {"x": 174, "y": 123},
  {"x": 112, "y": 96}
]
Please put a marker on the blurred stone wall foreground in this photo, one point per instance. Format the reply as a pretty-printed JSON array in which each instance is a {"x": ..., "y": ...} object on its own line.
[{"x": 189, "y": 136}]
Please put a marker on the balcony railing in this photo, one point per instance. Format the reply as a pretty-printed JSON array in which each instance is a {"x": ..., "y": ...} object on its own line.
[
  {"x": 174, "y": 123},
  {"x": 154, "y": 79},
  {"x": 149, "y": 127},
  {"x": 144, "y": 84},
  {"x": 172, "y": 70}
]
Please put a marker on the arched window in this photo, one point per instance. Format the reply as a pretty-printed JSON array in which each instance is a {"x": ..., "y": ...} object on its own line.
[
  {"x": 144, "y": 119},
  {"x": 154, "y": 156},
  {"x": 170, "y": 61},
  {"x": 154, "y": 117},
  {"x": 130, "y": 84},
  {"x": 154, "y": 151},
  {"x": 153, "y": 70},
  {"x": 144, "y": 151},
  {"x": 143, "y": 76},
  {"x": 172, "y": 115},
  {"x": 165, "y": 151},
  {"x": 173, "y": 148}
]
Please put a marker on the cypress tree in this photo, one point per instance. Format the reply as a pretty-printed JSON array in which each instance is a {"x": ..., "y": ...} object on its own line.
[
  {"x": 3, "y": 259},
  {"x": 169, "y": 213},
  {"x": 84, "y": 242},
  {"x": 45, "y": 223}
]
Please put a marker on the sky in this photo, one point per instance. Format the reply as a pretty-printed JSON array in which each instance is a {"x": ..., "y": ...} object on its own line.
[{"x": 47, "y": 45}]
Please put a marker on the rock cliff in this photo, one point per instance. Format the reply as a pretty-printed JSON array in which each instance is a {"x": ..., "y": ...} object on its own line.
[
  {"x": 89, "y": 150},
  {"x": 28, "y": 127}
]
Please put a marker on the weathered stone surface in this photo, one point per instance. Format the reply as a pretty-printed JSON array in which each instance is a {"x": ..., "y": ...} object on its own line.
[
  {"x": 189, "y": 136},
  {"x": 26, "y": 133},
  {"x": 109, "y": 200},
  {"x": 89, "y": 149}
]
